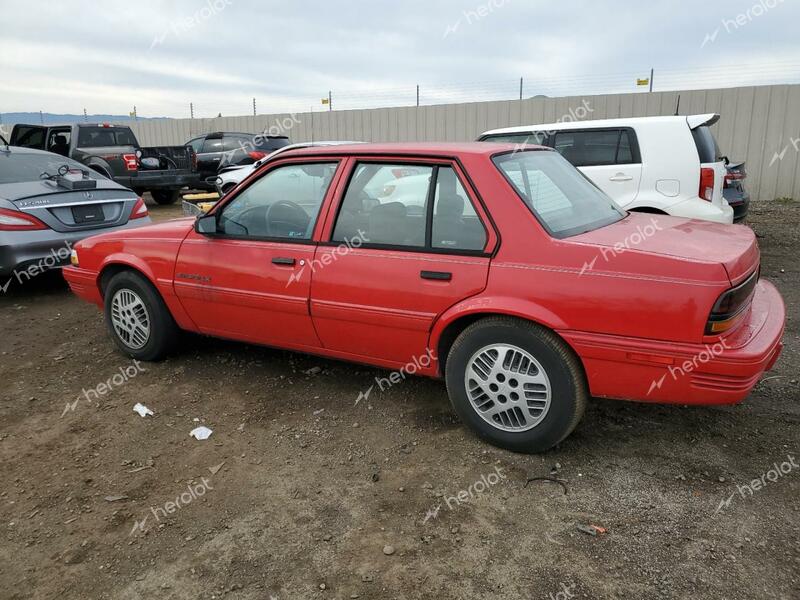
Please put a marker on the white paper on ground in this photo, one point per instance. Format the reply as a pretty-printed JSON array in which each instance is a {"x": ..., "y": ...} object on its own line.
[
  {"x": 201, "y": 433},
  {"x": 142, "y": 410}
]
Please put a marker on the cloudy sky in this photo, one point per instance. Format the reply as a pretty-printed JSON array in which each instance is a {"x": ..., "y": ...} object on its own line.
[{"x": 64, "y": 56}]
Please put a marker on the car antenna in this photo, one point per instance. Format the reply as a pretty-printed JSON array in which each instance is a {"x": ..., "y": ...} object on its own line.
[{"x": 678, "y": 106}]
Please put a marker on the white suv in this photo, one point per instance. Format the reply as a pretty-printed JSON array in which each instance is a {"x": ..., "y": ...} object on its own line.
[{"x": 668, "y": 165}]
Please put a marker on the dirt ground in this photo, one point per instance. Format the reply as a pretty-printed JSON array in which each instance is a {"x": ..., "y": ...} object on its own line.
[{"x": 300, "y": 489}]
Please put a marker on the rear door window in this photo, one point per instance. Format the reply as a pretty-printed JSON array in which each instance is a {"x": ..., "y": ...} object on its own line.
[
  {"x": 389, "y": 205},
  {"x": 212, "y": 145},
  {"x": 598, "y": 147}
]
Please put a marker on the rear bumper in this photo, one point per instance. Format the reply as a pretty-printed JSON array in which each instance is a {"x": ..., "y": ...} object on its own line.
[
  {"x": 24, "y": 254},
  {"x": 695, "y": 208},
  {"x": 161, "y": 180},
  {"x": 740, "y": 207},
  {"x": 718, "y": 372}
]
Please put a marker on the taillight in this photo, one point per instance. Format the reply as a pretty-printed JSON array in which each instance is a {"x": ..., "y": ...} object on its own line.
[
  {"x": 730, "y": 306},
  {"x": 256, "y": 155},
  {"x": 707, "y": 184},
  {"x": 131, "y": 163},
  {"x": 12, "y": 220},
  {"x": 732, "y": 178},
  {"x": 139, "y": 209}
]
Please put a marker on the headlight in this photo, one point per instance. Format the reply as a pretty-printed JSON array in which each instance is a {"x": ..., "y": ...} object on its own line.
[{"x": 73, "y": 258}]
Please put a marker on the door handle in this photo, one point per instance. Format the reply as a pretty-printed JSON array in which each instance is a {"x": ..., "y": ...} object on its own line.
[
  {"x": 278, "y": 260},
  {"x": 621, "y": 177},
  {"x": 436, "y": 275}
]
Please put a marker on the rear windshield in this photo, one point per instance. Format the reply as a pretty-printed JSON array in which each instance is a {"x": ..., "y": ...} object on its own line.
[
  {"x": 270, "y": 143},
  {"x": 706, "y": 144},
  {"x": 561, "y": 198},
  {"x": 18, "y": 167},
  {"x": 97, "y": 137}
]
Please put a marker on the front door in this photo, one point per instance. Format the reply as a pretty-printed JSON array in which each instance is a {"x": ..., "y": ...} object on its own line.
[
  {"x": 250, "y": 280},
  {"x": 406, "y": 244}
]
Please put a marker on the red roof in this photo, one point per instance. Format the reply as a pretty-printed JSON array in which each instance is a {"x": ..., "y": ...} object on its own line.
[{"x": 413, "y": 148}]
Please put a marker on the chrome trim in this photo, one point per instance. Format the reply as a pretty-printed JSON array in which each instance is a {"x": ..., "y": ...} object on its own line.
[{"x": 84, "y": 203}]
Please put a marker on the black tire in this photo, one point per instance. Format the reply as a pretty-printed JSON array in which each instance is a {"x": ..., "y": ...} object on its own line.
[
  {"x": 163, "y": 332},
  {"x": 165, "y": 196},
  {"x": 568, "y": 389}
]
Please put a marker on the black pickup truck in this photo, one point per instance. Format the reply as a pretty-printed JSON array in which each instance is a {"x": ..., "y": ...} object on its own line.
[{"x": 113, "y": 151}]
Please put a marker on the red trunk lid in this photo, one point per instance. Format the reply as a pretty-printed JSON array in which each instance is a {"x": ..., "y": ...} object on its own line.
[{"x": 733, "y": 246}]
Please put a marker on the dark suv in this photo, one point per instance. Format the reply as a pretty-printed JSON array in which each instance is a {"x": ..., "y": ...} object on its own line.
[{"x": 224, "y": 149}]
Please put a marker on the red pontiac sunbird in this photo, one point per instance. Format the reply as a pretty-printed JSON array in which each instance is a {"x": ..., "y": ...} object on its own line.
[{"x": 498, "y": 268}]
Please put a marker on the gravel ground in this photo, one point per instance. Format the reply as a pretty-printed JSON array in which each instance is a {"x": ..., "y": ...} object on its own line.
[{"x": 302, "y": 492}]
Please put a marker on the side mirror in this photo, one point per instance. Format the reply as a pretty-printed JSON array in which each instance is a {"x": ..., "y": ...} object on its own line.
[{"x": 206, "y": 225}]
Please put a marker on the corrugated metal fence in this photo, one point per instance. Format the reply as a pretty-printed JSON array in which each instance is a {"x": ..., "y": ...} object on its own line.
[{"x": 759, "y": 124}]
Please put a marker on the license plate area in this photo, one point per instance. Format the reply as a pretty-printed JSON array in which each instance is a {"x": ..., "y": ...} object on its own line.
[{"x": 88, "y": 213}]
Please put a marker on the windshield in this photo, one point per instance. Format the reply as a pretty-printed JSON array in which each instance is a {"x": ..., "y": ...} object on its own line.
[
  {"x": 561, "y": 198},
  {"x": 18, "y": 167}
]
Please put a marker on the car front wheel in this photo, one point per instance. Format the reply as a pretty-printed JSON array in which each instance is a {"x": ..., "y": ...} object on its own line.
[
  {"x": 516, "y": 384},
  {"x": 137, "y": 318}
]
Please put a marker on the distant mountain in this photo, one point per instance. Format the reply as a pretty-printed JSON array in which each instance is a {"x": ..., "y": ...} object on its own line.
[{"x": 50, "y": 118}]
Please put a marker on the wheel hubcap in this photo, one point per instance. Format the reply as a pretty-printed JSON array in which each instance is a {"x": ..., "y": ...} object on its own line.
[
  {"x": 507, "y": 387},
  {"x": 130, "y": 319}
]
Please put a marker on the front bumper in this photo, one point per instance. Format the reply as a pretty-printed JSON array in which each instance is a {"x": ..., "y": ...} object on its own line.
[
  {"x": 721, "y": 371},
  {"x": 83, "y": 284},
  {"x": 24, "y": 254}
]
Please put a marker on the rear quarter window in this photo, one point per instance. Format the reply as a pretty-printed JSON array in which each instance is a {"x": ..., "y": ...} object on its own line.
[{"x": 706, "y": 144}]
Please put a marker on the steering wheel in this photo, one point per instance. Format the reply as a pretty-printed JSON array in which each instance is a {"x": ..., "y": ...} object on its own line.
[{"x": 272, "y": 223}]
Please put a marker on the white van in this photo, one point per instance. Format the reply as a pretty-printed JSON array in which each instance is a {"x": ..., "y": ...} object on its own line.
[{"x": 669, "y": 165}]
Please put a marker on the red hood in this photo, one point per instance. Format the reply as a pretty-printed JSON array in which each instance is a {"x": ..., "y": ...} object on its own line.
[
  {"x": 175, "y": 229},
  {"x": 733, "y": 246}
]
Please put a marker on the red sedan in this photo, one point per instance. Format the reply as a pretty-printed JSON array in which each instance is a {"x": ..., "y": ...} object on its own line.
[{"x": 500, "y": 269}]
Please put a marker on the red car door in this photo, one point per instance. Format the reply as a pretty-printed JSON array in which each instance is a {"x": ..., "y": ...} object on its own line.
[
  {"x": 246, "y": 281},
  {"x": 407, "y": 242}
]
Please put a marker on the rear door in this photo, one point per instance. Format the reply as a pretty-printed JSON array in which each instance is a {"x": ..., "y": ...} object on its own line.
[
  {"x": 392, "y": 263},
  {"x": 609, "y": 157},
  {"x": 209, "y": 156}
]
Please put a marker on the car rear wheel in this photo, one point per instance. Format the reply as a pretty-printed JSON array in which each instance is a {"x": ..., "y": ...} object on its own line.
[
  {"x": 165, "y": 196},
  {"x": 516, "y": 384},
  {"x": 139, "y": 321}
]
